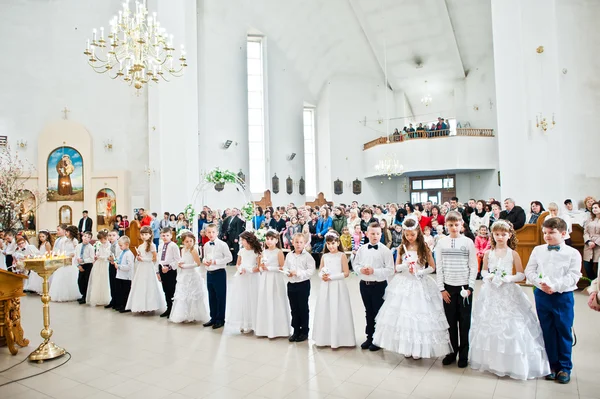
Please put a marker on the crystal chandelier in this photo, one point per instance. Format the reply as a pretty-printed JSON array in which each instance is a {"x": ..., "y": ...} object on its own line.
[
  {"x": 389, "y": 166},
  {"x": 137, "y": 48}
]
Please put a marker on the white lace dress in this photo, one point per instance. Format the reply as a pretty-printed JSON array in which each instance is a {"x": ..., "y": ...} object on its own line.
[
  {"x": 64, "y": 286},
  {"x": 333, "y": 323},
  {"x": 505, "y": 336},
  {"x": 98, "y": 292},
  {"x": 189, "y": 302},
  {"x": 412, "y": 321},
  {"x": 146, "y": 293},
  {"x": 243, "y": 297},
  {"x": 273, "y": 308}
]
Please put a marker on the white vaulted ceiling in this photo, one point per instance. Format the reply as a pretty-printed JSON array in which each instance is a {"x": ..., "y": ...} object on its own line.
[{"x": 325, "y": 38}]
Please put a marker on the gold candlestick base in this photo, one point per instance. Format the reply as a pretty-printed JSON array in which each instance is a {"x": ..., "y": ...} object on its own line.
[
  {"x": 46, "y": 351},
  {"x": 44, "y": 267}
]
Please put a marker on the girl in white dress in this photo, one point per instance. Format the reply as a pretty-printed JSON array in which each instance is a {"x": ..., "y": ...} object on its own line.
[
  {"x": 35, "y": 282},
  {"x": 98, "y": 292},
  {"x": 412, "y": 321},
  {"x": 505, "y": 337},
  {"x": 189, "y": 300},
  {"x": 273, "y": 309},
  {"x": 333, "y": 324},
  {"x": 244, "y": 294},
  {"x": 146, "y": 293},
  {"x": 64, "y": 287}
]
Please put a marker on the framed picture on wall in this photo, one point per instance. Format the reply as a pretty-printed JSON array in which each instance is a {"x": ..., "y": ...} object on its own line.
[
  {"x": 65, "y": 215},
  {"x": 65, "y": 175}
]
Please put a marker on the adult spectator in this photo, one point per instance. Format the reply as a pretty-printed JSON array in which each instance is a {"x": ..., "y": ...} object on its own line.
[
  {"x": 339, "y": 220},
  {"x": 588, "y": 202},
  {"x": 202, "y": 218},
  {"x": 436, "y": 214},
  {"x": 479, "y": 217},
  {"x": 85, "y": 223},
  {"x": 513, "y": 213},
  {"x": 155, "y": 225},
  {"x": 353, "y": 220},
  {"x": 258, "y": 218},
  {"x": 145, "y": 220},
  {"x": 536, "y": 208},
  {"x": 427, "y": 208},
  {"x": 277, "y": 223},
  {"x": 454, "y": 206},
  {"x": 400, "y": 215},
  {"x": 236, "y": 227},
  {"x": 164, "y": 223}
]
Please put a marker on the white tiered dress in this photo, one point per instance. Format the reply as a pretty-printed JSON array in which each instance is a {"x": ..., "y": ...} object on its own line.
[
  {"x": 35, "y": 282},
  {"x": 241, "y": 308},
  {"x": 412, "y": 321},
  {"x": 98, "y": 292},
  {"x": 505, "y": 337},
  {"x": 333, "y": 323},
  {"x": 273, "y": 313},
  {"x": 146, "y": 293},
  {"x": 189, "y": 300},
  {"x": 64, "y": 287}
]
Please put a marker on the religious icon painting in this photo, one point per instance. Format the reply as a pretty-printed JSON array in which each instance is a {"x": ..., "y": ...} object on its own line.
[
  {"x": 302, "y": 186},
  {"x": 65, "y": 175},
  {"x": 65, "y": 215},
  {"x": 106, "y": 208},
  {"x": 275, "y": 182},
  {"x": 338, "y": 187},
  {"x": 289, "y": 185},
  {"x": 356, "y": 187}
]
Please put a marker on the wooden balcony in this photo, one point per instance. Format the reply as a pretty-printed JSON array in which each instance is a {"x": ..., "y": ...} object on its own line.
[{"x": 428, "y": 135}]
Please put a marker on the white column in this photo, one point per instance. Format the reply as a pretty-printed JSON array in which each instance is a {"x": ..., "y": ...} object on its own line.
[
  {"x": 526, "y": 85},
  {"x": 173, "y": 116}
]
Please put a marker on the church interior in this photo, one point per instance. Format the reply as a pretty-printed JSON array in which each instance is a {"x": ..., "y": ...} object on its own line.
[{"x": 174, "y": 173}]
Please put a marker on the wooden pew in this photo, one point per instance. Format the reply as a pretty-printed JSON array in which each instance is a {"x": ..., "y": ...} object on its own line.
[
  {"x": 530, "y": 236},
  {"x": 265, "y": 201},
  {"x": 319, "y": 201}
]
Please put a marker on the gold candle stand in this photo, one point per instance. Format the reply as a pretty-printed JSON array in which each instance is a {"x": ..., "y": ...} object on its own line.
[{"x": 44, "y": 267}]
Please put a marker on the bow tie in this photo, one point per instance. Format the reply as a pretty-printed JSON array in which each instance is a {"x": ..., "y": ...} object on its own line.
[
  {"x": 553, "y": 247},
  {"x": 376, "y": 246},
  {"x": 211, "y": 243}
]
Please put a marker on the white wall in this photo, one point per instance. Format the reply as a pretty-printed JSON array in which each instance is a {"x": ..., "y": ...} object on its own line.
[{"x": 47, "y": 71}]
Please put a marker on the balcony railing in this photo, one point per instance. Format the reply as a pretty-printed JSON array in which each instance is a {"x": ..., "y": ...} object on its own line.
[{"x": 422, "y": 134}]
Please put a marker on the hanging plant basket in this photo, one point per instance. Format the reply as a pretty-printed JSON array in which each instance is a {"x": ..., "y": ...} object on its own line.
[{"x": 219, "y": 186}]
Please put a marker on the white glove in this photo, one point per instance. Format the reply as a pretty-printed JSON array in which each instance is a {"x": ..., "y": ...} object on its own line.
[
  {"x": 487, "y": 276},
  {"x": 401, "y": 268},
  {"x": 514, "y": 278},
  {"x": 497, "y": 280},
  {"x": 427, "y": 270}
]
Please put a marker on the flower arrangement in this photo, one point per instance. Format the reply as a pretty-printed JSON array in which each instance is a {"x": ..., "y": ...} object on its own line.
[
  {"x": 189, "y": 214},
  {"x": 179, "y": 239},
  {"x": 218, "y": 176},
  {"x": 261, "y": 234},
  {"x": 248, "y": 211}
]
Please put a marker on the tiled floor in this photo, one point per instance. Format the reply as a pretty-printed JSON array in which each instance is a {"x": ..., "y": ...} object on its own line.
[{"x": 134, "y": 356}]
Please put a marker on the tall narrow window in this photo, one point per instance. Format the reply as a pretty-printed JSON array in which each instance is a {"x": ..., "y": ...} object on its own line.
[
  {"x": 309, "y": 152},
  {"x": 256, "y": 115}
]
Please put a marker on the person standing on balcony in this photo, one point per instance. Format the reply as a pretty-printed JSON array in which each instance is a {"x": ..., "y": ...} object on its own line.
[{"x": 411, "y": 131}]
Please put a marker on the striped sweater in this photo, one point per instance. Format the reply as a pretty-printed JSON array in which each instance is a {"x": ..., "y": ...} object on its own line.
[{"x": 456, "y": 262}]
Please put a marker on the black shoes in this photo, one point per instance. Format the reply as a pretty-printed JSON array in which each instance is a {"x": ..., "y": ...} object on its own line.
[
  {"x": 367, "y": 344},
  {"x": 166, "y": 314},
  {"x": 293, "y": 337},
  {"x": 81, "y": 301},
  {"x": 449, "y": 359},
  {"x": 374, "y": 348},
  {"x": 462, "y": 363},
  {"x": 125, "y": 311},
  {"x": 108, "y": 306},
  {"x": 218, "y": 325},
  {"x": 302, "y": 337},
  {"x": 208, "y": 323}
]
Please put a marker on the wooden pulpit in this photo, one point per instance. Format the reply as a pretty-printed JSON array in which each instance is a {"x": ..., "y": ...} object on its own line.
[
  {"x": 133, "y": 232},
  {"x": 11, "y": 291}
]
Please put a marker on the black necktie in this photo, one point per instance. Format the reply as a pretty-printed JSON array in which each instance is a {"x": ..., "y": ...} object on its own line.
[
  {"x": 376, "y": 246},
  {"x": 212, "y": 243}
]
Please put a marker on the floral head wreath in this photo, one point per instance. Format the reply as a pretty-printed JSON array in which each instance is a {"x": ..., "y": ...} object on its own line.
[
  {"x": 272, "y": 230},
  {"x": 182, "y": 232},
  {"x": 503, "y": 223},
  {"x": 331, "y": 234},
  {"x": 410, "y": 217}
]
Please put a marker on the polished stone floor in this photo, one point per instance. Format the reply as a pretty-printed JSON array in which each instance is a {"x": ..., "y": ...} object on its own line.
[{"x": 135, "y": 356}]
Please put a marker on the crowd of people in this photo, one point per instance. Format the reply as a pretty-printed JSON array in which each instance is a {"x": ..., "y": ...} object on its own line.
[
  {"x": 391, "y": 249},
  {"x": 441, "y": 128}
]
